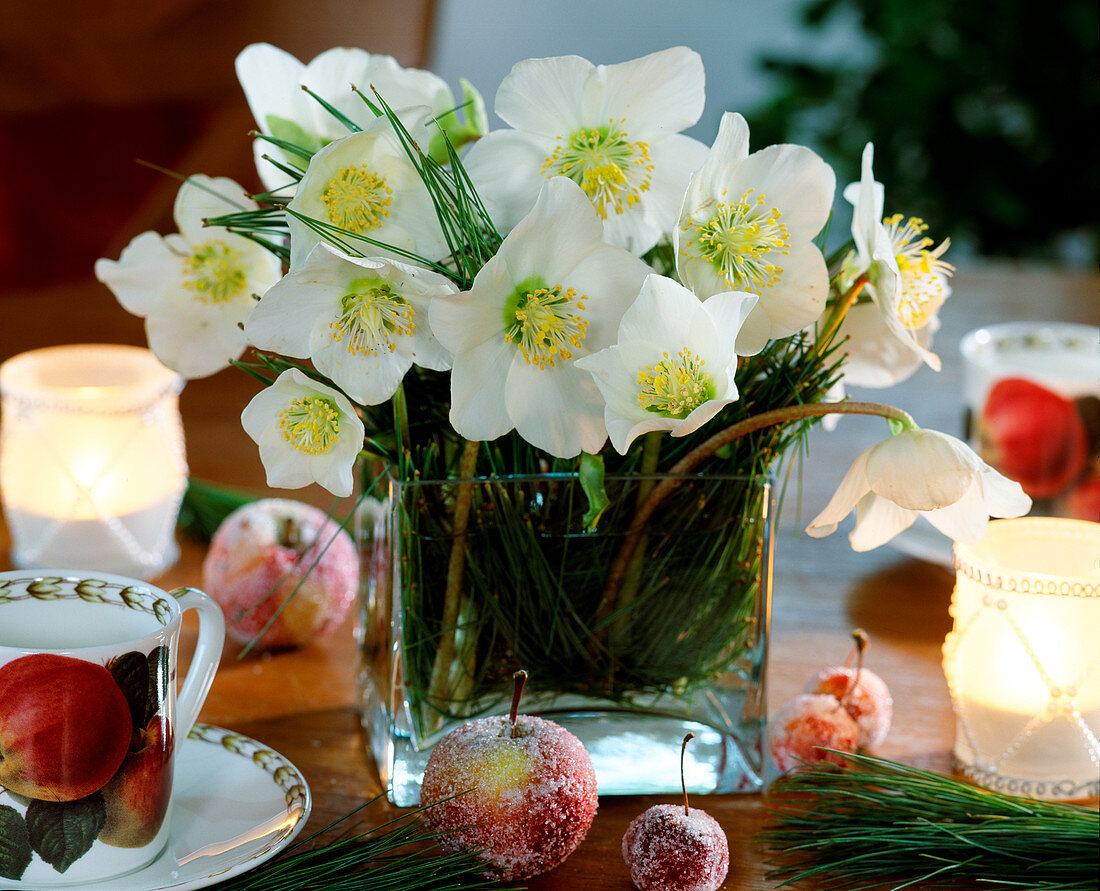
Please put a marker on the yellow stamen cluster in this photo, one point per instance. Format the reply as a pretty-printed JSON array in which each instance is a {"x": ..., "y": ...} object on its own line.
[
  {"x": 741, "y": 239},
  {"x": 923, "y": 274},
  {"x": 357, "y": 199},
  {"x": 675, "y": 387},
  {"x": 311, "y": 424},
  {"x": 371, "y": 317},
  {"x": 612, "y": 170},
  {"x": 215, "y": 272},
  {"x": 545, "y": 328}
]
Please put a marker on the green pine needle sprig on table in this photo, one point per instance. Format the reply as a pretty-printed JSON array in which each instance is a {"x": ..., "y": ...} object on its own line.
[
  {"x": 400, "y": 855},
  {"x": 877, "y": 824}
]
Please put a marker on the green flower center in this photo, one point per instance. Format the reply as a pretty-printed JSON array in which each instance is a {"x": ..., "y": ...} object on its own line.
[
  {"x": 357, "y": 199},
  {"x": 675, "y": 386},
  {"x": 371, "y": 316},
  {"x": 613, "y": 171},
  {"x": 923, "y": 273},
  {"x": 740, "y": 239},
  {"x": 214, "y": 272},
  {"x": 311, "y": 424},
  {"x": 544, "y": 322}
]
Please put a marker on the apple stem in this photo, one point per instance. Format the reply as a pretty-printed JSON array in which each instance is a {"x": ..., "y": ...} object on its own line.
[
  {"x": 518, "y": 680},
  {"x": 861, "y": 640},
  {"x": 683, "y": 782}
]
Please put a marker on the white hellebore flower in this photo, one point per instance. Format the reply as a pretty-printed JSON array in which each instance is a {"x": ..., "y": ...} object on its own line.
[
  {"x": 748, "y": 223},
  {"x": 919, "y": 472},
  {"x": 307, "y": 433},
  {"x": 194, "y": 288},
  {"x": 363, "y": 322},
  {"x": 889, "y": 338},
  {"x": 673, "y": 365},
  {"x": 553, "y": 293},
  {"x": 272, "y": 80},
  {"x": 612, "y": 129},
  {"x": 366, "y": 185}
]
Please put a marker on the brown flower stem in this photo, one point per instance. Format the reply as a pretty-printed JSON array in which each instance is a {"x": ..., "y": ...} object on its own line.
[
  {"x": 701, "y": 452},
  {"x": 651, "y": 454},
  {"x": 452, "y": 601},
  {"x": 841, "y": 310}
]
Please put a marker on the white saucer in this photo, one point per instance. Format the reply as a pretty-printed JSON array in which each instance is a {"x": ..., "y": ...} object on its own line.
[
  {"x": 235, "y": 804},
  {"x": 923, "y": 541}
]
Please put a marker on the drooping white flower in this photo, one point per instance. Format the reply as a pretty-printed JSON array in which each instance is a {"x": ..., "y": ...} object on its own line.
[
  {"x": 363, "y": 322},
  {"x": 748, "y": 223},
  {"x": 272, "y": 80},
  {"x": 194, "y": 288},
  {"x": 919, "y": 472},
  {"x": 672, "y": 367},
  {"x": 307, "y": 433},
  {"x": 366, "y": 184},
  {"x": 889, "y": 338},
  {"x": 612, "y": 129},
  {"x": 553, "y": 293}
]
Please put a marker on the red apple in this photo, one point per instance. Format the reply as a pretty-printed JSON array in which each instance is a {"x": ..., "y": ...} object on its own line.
[
  {"x": 64, "y": 727},
  {"x": 137, "y": 796},
  {"x": 1032, "y": 435},
  {"x": 261, "y": 553},
  {"x": 517, "y": 791},
  {"x": 1083, "y": 502}
]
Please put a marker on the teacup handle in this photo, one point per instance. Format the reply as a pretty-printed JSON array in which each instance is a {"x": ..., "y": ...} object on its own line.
[{"x": 204, "y": 664}]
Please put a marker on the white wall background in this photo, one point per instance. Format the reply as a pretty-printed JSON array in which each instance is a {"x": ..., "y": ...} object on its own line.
[{"x": 481, "y": 40}]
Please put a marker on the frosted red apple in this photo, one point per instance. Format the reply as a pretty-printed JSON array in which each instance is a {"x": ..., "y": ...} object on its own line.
[
  {"x": 261, "y": 552},
  {"x": 807, "y": 725},
  {"x": 136, "y": 797},
  {"x": 675, "y": 847},
  {"x": 64, "y": 727},
  {"x": 520, "y": 792},
  {"x": 864, "y": 696}
]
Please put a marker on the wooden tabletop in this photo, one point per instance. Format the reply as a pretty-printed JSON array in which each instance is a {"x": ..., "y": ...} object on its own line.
[{"x": 304, "y": 703}]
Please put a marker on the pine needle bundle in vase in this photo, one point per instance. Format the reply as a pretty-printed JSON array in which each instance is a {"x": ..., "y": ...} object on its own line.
[{"x": 876, "y": 824}]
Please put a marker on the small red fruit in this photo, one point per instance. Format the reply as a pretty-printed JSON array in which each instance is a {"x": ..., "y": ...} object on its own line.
[
  {"x": 1033, "y": 436},
  {"x": 520, "y": 792},
  {"x": 64, "y": 727},
  {"x": 671, "y": 847},
  {"x": 807, "y": 722},
  {"x": 863, "y": 694}
]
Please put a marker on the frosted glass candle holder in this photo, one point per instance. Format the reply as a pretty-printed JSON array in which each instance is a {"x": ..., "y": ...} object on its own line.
[
  {"x": 1023, "y": 659},
  {"x": 92, "y": 465}
]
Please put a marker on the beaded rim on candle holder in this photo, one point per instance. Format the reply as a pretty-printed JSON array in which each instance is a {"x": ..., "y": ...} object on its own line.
[
  {"x": 983, "y": 345},
  {"x": 18, "y": 385},
  {"x": 1024, "y": 582},
  {"x": 1065, "y": 790}
]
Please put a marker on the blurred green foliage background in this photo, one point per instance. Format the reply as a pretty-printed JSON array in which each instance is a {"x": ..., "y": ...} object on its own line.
[{"x": 983, "y": 117}]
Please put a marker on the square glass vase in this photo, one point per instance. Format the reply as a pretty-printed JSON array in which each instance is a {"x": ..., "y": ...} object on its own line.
[{"x": 633, "y": 632}]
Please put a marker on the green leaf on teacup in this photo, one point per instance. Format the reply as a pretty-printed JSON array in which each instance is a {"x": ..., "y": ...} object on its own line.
[
  {"x": 234, "y": 743},
  {"x": 134, "y": 597},
  {"x": 263, "y": 757},
  {"x": 92, "y": 590},
  {"x": 15, "y": 843},
  {"x": 61, "y": 832},
  {"x": 157, "y": 691},
  {"x": 44, "y": 589},
  {"x": 131, "y": 673},
  {"x": 162, "y": 610}
]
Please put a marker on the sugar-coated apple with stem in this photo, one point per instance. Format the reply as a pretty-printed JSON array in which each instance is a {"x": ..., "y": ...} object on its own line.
[
  {"x": 518, "y": 791},
  {"x": 671, "y": 847},
  {"x": 863, "y": 694}
]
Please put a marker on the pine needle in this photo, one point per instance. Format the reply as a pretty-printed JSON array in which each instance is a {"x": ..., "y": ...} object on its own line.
[
  {"x": 400, "y": 855},
  {"x": 874, "y": 824}
]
